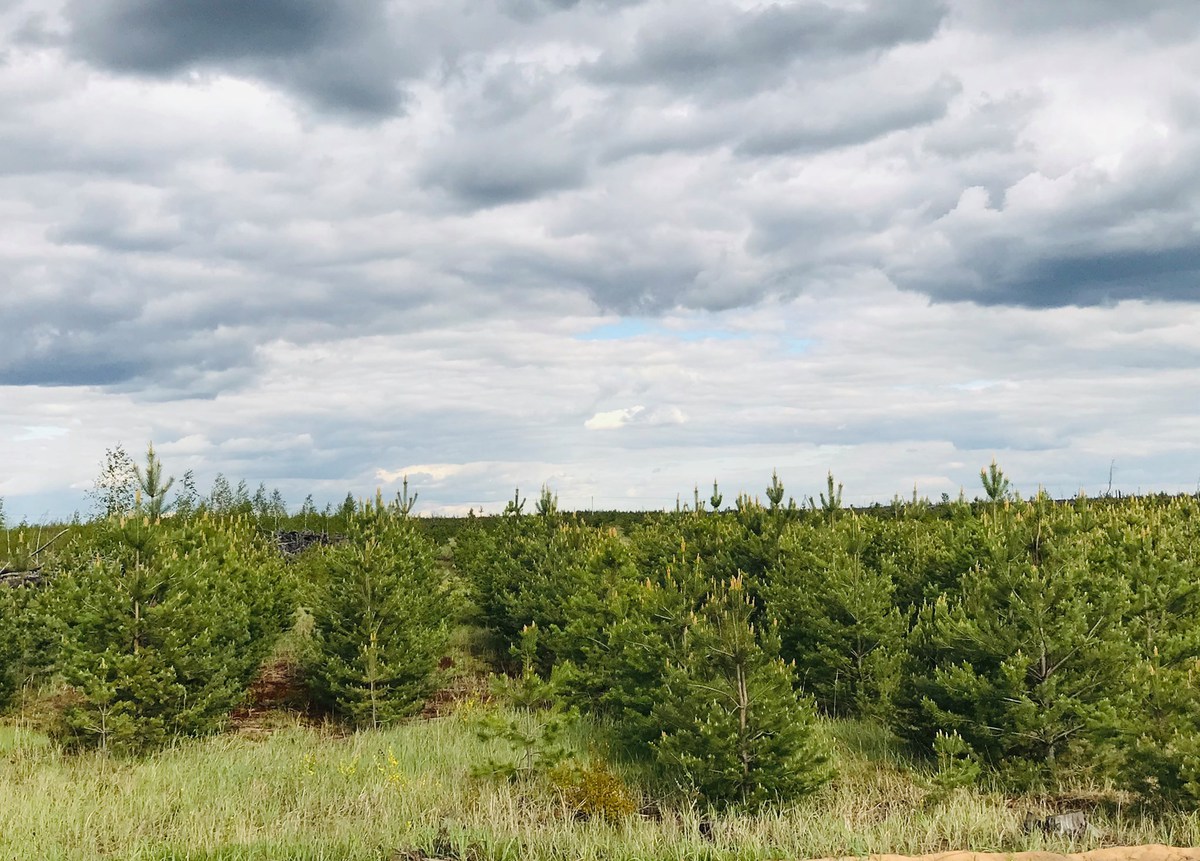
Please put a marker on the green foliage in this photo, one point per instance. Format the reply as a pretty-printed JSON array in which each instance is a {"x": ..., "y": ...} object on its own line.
[
  {"x": 1027, "y": 656},
  {"x": 162, "y": 630},
  {"x": 545, "y": 571},
  {"x": 1051, "y": 643},
  {"x": 837, "y": 616},
  {"x": 716, "y": 498},
  {"x": 532, "y": 733},
  {"x": 734, "y": 731},
  {"x": 379, "y": 607},
  {"x": 10, "y": 612},
  {"x": 187, "y": 498},
  {"x": 1156, "y": 722},
  {"x": 152, "y": 487},
  {"x": 404, "y": 503},
  {"x": 831, "y": 500},
  {"x": 547, "y": 503},
  {"x": 220, "y": 499},
  {"x": 308, "y": 512},
  {"x": 995, "y": 484},
  {"x": 624, "y": 646},
  {"x": 242, "y": 503},
  {"x": 958, "y": 767},
  {"x": 516, "y": 506},
  {"x": 775, "y": 491}
]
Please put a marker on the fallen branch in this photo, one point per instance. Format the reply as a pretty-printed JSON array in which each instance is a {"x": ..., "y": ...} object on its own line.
[{"x": 31, "y": 576}]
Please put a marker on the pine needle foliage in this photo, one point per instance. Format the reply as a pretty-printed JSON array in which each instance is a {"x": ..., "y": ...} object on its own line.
[
  {"x": 837, "y": 616},
  {"x": 734, "y": 730},
  {"x": 152, "y": 486},
  {"x": 162, "y": 630},
  {"x": 381, "y": 611}
]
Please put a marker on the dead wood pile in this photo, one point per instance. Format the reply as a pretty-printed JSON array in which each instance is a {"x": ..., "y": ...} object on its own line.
[{"x": 292, "y": 542}]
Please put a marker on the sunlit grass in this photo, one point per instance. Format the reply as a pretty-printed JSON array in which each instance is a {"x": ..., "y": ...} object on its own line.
[{"x": 312, "y": 793}]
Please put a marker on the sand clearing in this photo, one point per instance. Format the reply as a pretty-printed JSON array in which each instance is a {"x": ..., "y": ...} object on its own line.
[{"x": 1115, "y": 853}]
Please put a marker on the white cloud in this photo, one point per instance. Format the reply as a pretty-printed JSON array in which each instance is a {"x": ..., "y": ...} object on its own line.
[
  {"x": 436, "y": 472},
  {"x": 613, "y": 419}
]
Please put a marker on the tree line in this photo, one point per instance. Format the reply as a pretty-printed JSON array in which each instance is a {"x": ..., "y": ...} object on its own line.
[{"x": 1032, "y": 643}]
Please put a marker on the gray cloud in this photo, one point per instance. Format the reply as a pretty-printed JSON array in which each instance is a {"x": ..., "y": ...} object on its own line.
[
  {"x": 805, "y": 133},
  {"x": 341, "y": 55},
  {"x": 1091, "y": 236},
  {"x": 714, "y": 49},
  {"x": 1169, "y": 20},
  {"x": 193, "y": 233}
]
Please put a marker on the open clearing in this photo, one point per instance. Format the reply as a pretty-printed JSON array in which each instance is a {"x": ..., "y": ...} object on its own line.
[{"x": 303, "y": 792}]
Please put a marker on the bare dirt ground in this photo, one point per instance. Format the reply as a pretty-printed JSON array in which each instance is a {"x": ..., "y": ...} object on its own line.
[{"x": 1115, "y": 853}]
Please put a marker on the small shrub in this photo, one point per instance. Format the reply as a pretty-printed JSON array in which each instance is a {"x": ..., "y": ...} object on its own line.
[
  {"x": 533, "y": 728},
  {"x": 957, "y": 767},
  {"x": 592, "y": 791}
]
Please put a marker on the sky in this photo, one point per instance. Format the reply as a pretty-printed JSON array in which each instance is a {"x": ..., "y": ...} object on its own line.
[{"x": 618, "y": 247}]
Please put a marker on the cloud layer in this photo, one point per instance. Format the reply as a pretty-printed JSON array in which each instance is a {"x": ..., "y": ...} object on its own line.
[{"x": 254, "y": 231}]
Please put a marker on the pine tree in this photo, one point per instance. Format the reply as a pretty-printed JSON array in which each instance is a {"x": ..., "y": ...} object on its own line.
[
  {"x": 775, "y": 491},
  {"x": 1027, "y": 655},
  {"x": 621, "y": 632},
  {"x": 151, "y": 484},
  {"x": 528, "y": 570},
  {"x": 163, "y": 630},
  {"x": 405, "y": 503},
  {"x": 9, "y": 643},
  {"x": 515, "y": 507},
  {"x": 831, "y": 499},
  {"x": 837, "y": 616},
  {"x": 733, "y": 727},
  {"x": 995, "y": 484},
  {"x": 1156, "y": 721},
  {"x": 380, "y": 620},
  {"x": 547, "y": 504}
]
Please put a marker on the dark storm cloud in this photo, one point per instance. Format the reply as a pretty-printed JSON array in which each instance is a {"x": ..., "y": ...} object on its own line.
[
  {"x": 1100, "y": 277},
  {"x": 1090, "y": 237},
  {"x": 338, "y": 54},
  {"x": 196, "y": 364}
]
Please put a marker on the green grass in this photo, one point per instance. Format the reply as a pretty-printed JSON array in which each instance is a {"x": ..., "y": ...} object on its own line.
[{"x": 305, "y": 793}]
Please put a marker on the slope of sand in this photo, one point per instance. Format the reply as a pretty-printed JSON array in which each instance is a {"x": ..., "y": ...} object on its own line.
[{"x": 1115, "y": 853}]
